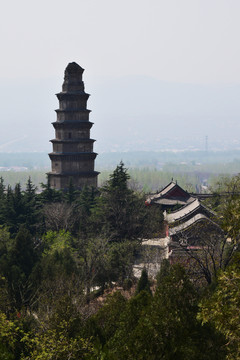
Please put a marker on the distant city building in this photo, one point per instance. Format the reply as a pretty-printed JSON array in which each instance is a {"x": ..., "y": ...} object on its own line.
[{"x": 72, "y": 156}]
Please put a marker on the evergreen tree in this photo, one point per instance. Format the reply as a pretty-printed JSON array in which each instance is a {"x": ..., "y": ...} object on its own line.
[
  {"x": 122, "y": 341},
  {"x": 85, "y": 213},
  {"x": 2, "y": 200},
  {"x": 119, "y": 179},
  {"x": 31, "y": 209},
  {"x": 164, "y": 271},
  {"x": 106, "y": 322},
  {"x": 143, "y": 283},
  {"x": 48, "y": 194},
  {"x": 16, "y": 266},
  {"x": 71, "y": 193},
  {"x": 122, "y": 210},
  {"x": 19, "y": 209},
  {"x": 170, "y": 329},
  {"x": 9, "y": 211},
  {"x": 2, "y": 188}
]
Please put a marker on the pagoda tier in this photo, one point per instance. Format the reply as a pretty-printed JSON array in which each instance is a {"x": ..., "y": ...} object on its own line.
[{"x": 72, "y": 155}]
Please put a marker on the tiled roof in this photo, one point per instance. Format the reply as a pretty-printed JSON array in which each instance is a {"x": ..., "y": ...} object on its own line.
[
  {"x": 161, "y": 197},
  {"x": 161, "y": 193},
  {"x": 188, "y": 223},
  {"x": 173, "y": 202}
]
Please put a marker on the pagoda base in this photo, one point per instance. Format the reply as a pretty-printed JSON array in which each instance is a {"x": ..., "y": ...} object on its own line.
[{"x": 79, "y": 180}]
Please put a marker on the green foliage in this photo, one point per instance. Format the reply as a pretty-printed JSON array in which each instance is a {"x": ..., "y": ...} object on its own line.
[
  {"x": 163, "y": 326},
  {"x": 169, "y": 329},
  {"x": 2, "y": 200},
  {"x": 31, "y": 207},
  {"x": 56, "y": 344},
  {"x": 12, "y": 332},
  {"x": 22, "y": 253},
  {"x": 18, "y": 208},
  {"x": 54, "y": 241},
  {"x": 16, "y": 264},
  {"x": 105, "y": 323},
  {"x": 119, "y": 261},
  {"x": 71, "y": 194},
  {"x": 9, "y": 334},
  {"x": 121, "y": 344},
  {"x": 164, "y": 271},
  {"x": 231, "y": 208},
  {"x": 118, "y": 179},
  {"x": 123, "y": 210},
  {"x": 48, "y": 194},
  {"x": 85, "y": 212},
  {"x": 143, "y": 283},
  {"x": 95, "y": 236},
  {"x": 222, "y": 308}
]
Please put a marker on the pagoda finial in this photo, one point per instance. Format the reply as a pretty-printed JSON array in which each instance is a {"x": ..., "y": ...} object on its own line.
[
  {"x": 73, "y": 68},
  {"x": 73, "y": 78}
]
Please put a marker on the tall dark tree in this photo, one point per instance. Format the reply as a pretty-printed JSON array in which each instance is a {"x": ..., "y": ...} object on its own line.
[
  {"x": 123, "y": 210},
  {"x": 84, "y": 207},
  {"x": 71, "y": 193},
  {"x": 31, "y": 207},
  {"x": 9, "y": 211},
  {"x": 16, "y": 266},
  {"x": 48, "y": 194},
  {"x": 164, "y": 271},
  {"x": 2, "y": 200},
  {"x": 143, "y": 283},
  {"x": 119, "y": 179}
]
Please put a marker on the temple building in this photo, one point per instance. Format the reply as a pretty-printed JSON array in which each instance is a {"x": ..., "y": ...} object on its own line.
[
  {"x": 72, "y": 158},
  {"x": 171, "y": 197},
  {"x": 190, "y": 227},
  {"x": 188, "y": 212}
]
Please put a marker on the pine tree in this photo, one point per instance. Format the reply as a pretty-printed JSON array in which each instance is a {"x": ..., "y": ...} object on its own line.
[
  {"x": 2, "y": 200},
  {"x": 9, "y": 211},
  {"x": 122, "y": 209},
  {"x": 119, "y": 179},
  {"x": 31, "y": 209},
  {"x": 71, "y": 193},
  {"x": 143, "y": 283},
  {"x": 48, "y": 194}
]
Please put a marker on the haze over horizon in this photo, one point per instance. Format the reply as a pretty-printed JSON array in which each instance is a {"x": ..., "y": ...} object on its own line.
[{"x": 161, "y": 74}]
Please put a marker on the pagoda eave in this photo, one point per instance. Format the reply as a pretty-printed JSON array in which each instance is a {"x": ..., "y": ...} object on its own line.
[
  {"x": 71, "y": 141},
  {"x": 86, "y": 124},
  {"x": 78, "y": 173},
  {"x": 72, "y": 95},
  {"x": 73, "y": 155},
  {"x": 72, "y": 110}
]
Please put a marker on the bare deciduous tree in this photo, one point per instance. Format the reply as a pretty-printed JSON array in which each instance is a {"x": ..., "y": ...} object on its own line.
[
  {"x": 58, "y": 216},
  {"x": 206, "y": 249}
]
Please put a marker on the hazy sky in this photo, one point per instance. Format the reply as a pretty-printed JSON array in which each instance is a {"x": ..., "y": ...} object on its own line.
[
  {"x": 156, "y": 70},
  {"x": 194, "y": 41}
]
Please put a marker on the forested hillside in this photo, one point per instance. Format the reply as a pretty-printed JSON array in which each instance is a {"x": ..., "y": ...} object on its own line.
[{"x": 62, "y": 252}]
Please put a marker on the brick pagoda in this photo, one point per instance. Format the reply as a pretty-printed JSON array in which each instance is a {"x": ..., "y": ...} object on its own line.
[{"x": 72, "y": 156}]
